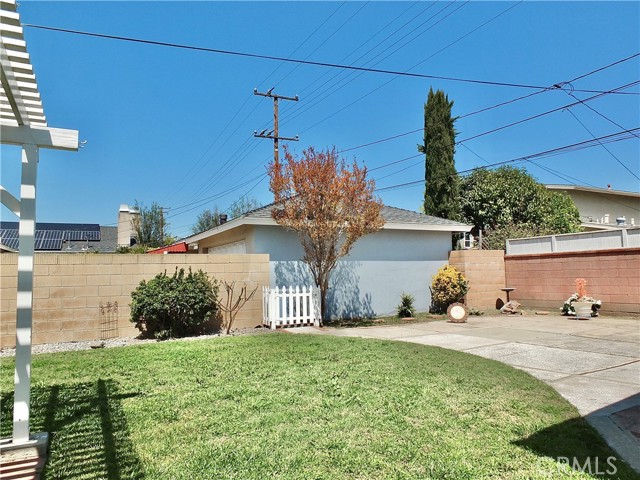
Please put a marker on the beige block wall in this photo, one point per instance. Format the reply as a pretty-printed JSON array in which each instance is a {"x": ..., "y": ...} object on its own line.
[
  {"x": 69, "y": 288},
  {"x": 485, "y": 271}
]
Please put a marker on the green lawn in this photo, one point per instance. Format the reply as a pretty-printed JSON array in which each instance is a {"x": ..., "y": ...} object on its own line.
[{"x": 297, "y": 406}]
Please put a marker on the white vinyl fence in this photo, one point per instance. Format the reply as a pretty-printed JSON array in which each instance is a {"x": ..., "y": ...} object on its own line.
[
  {"x": 290, "y": 306},
  {"x": 576, "y": 242}
]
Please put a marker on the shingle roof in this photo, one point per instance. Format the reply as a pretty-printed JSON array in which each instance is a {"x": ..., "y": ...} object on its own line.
[
  {"x": 64, "y": 237},
  {"x": 390, "y": 215},
  {"x": 395, "y": 218}
]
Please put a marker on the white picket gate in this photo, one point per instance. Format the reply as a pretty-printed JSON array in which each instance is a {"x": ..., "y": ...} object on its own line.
[{"x": 290, "y": 306}]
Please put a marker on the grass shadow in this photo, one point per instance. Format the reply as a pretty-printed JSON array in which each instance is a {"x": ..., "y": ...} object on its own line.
[
  {"x": 88, "y": 430},
  {"x": 576, "y": 446}
]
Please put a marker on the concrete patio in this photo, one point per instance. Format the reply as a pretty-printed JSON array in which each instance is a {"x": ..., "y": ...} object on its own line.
[{"x": 594, "y": 364}]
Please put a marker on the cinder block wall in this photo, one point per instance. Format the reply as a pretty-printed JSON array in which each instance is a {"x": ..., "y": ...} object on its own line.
[
  {"x": 69, "y": 288},
  {"x": 547, "y": 280},
  {"x": 485, "y": 271}
]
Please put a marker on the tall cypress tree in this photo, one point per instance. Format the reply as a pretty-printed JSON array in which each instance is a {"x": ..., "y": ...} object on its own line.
[{"x": 441, "y": 195}]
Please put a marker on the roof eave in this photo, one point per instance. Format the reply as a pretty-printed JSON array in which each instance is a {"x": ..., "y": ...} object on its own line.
[
  {"x": 427, "y": 227},
  {"x": 239, "y": 222},
  {"x": 602, "y": 191}
]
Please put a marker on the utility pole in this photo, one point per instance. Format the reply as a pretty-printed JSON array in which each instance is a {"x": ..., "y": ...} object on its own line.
[{"x": 273, "y": 134}]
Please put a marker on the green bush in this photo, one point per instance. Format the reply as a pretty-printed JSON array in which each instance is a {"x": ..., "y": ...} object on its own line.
[
  {"x": 496, "y": 238},
  {"x": 174, "y": 306},
  {"x": 448, "y": 286},
  {"x": 406, "y": 308},
  {"x": 139, "y": 249}
]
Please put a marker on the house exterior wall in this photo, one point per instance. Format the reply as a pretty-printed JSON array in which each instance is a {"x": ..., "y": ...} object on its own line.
[
  {"x": 243, "y": 233},
  {"x": 594, "y": 206},
  {"x": 369, "y": 281},
  {"x": 547, "y": 280},
  {"x": 485, "y": 271},
  {"x": 69, "y": 288}
]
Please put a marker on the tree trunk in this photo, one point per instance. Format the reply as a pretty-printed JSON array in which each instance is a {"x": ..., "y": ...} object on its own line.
[{"x": 323, "y": 304}]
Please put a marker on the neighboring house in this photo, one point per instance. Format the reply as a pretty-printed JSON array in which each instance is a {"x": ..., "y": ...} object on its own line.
[
  {"x": 402, "y": 257},
  {"x": 180, "y": 247},
  {"x": 601, "y": 208},
  {"x": 63, "y": 237}
]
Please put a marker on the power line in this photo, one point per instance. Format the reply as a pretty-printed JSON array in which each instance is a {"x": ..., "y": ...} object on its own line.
[
  {"x": 533, "y": 117},
  {"x": 325, "y": 96},
  {"x": 200, "y": 203},
  {"x": 614, "y": 137},
  {"x": 461, "y": 142},
  {"x": 491, "y": 107},
  {"x": 306, "y": 62},
  {"x": 501, "y": 127},
  {"x": 603, "y": 146},
  {"x": 226, "y": 165},
  {"x": 303, "y": 42},
  {"x": 274, "y": 134},
  {"x": 597, "y": 112},
  {"x": 372, "y": 48},
  {"x": 326, "y": 39},
  {"x": 189, "y": 175}
]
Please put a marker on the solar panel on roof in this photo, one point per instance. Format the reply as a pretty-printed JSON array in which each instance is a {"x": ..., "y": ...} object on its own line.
[
  {"x": 10, "y": 242},
  {"x": 48, "y": 244},
  {"x": 76, "y": 235},
  {"x": 8, "y": 233},
  {"x": 51, "y": 236}
]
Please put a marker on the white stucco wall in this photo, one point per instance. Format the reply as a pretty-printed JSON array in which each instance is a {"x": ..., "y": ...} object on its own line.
[{"x": 370, "y": 280}]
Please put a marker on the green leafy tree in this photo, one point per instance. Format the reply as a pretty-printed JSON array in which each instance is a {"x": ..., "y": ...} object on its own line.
[
  {"x": 206, "y": 220},
  {"x": 441, "y": 180},
  {"x": 241, "y": 206},
  {"x": 509, "y": 203},
  {"x": 150, "y": 225}
]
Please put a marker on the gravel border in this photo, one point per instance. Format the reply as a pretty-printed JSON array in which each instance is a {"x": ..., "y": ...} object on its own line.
[{"x": 124, "y": 342}]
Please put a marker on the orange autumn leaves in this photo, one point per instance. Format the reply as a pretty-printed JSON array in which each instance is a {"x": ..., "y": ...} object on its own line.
[{"x": 330, "y": 204}]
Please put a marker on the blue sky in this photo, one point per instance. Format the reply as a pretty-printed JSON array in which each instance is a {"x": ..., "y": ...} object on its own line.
[{"x": 176, "y": 126}]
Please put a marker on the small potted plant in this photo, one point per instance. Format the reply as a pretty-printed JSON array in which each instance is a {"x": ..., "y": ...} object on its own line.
[
  {"x": 580, "y": 304},
  {"x": 406, "y": 310}
]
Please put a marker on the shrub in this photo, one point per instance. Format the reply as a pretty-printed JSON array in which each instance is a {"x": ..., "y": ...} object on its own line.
[
  {"x": 174, "y": 306},
  {"x": 496, "y": 238},
  {"x": 448, "y": 286},
  {"x": 138, "y": 249},
  {"x": 406, "y": 308}
]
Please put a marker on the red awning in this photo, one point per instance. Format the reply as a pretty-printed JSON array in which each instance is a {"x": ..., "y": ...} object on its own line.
[{"x": 176, "y": 248}]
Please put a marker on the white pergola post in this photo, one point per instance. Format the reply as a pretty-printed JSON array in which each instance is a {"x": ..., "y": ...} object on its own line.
[
  {"x": 23, "y": 123},
  {"x": 24, "y": 313}
]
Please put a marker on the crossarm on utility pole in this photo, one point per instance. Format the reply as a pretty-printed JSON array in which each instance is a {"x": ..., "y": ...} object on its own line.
[{"x": 274, "y": 134}]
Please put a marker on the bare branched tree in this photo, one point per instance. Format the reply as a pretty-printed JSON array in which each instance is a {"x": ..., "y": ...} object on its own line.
[{"x": 231, "y": 307}]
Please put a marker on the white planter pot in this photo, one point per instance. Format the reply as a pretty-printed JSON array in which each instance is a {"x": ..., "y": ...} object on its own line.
[{"x": 583, "y": 310}]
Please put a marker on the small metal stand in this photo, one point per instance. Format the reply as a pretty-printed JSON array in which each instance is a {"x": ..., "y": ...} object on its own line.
[{"x": 507, "y": 290}]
